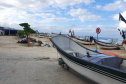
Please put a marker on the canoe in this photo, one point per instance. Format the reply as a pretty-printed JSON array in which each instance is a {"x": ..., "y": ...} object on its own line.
[
  {"x": 106, "y": 45},
  {"x": 101, "y": 68}
]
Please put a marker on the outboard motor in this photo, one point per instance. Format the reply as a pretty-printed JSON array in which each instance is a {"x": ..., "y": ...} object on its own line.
[{"x": 88, "y": 54}]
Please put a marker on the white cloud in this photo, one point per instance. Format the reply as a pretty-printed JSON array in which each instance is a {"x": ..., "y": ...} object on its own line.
[
  {"x": 45, "y": 15},
  {"x": 118, "y": 5},
  {"x": 17, "y": 11},
  {"x": 36, "y": 5},
  {"x": 116, "y": 17},
  {"x": 121, "y": 25},
  {"x": 12, "y": 17},
  {"x": 83, "y": 15},
  {"x": 13, "y": 12},
  {"x": 65, "y": 3},
  {"x": 98, "y": 6},
  {"x": 32, "y": 5}
]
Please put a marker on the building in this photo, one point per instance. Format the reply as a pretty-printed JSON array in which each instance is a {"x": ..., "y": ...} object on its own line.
[
  {"x": 1, "y": 32},
  {"x": 8, "y": 31}
]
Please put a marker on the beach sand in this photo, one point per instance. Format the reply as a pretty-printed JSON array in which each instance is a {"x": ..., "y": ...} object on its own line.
[{"x": 20, "y": 64}]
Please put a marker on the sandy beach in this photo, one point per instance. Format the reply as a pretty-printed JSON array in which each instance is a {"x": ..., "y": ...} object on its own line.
[{"x": 20, "y": 64}]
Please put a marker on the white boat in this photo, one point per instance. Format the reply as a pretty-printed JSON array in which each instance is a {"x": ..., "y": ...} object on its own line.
[
  {"x": 101, "y": 68},
  {"x": 106, "y": 45}
]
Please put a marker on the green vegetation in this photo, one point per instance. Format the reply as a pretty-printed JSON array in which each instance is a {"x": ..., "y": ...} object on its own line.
[
  {"x": 1, "y": 27},
  {"x": 21, "y": 32},
  {"x": 27, "y": 29}
]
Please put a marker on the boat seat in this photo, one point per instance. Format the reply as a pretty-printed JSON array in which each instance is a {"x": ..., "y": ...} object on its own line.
[
  {"x": 70, "y": 51},
  {"x": 74, "y": 53}
]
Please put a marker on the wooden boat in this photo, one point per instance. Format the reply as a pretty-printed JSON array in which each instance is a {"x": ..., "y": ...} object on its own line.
[
  {"x": 106, "y": 45},
  {"x": 82, "y": 41},
  {"x": 101, "y": 68}
]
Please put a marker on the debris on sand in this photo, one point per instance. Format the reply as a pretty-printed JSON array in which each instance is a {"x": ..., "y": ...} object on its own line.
[
  {"x": 46, "y": 45},
  {"x": 41, "y": 58}
]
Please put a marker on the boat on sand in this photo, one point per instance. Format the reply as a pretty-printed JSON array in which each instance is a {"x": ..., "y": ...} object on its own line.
[
  {"x": 106, "y": 45},
  {"x": 101, "y": 68},
  {"x": 83, "y": 41}
]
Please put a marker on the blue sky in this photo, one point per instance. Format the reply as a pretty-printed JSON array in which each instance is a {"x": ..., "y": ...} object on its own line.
[{"x": 82, "y": 16}]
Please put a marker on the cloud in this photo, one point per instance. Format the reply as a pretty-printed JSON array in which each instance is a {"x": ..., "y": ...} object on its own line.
[
  {"x": 98, "y": 6},
  {"x": 5, "y": 5},
  {"x": 121, "y": 25},
  {"x": 31, "y": 11},
  {"x": 47, "y": 15},
  {"x": 65, "y": 3},
  {"x": 36, "y": 5},
  {"x": 117, "y": 5},
  {"x": 84, "y": 15},
  {"x": 31, "y": 5},
  {"x": 11, "y": 17}
]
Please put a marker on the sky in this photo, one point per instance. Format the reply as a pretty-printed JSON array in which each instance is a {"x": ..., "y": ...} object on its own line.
[{"x": 55, "y": 16}]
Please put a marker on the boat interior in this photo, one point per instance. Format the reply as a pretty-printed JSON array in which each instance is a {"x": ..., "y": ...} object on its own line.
[
  {"x": 76, "y": 50},
  {"x": 103, "y": 59}
]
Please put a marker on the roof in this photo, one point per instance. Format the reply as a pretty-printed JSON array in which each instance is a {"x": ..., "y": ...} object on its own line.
[{"x": 11, "y": 29}]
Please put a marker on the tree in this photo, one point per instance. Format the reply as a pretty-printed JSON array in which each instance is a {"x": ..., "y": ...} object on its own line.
[
  {"x": 32, "y": 31},
  {"x": 1, "y": 27},
  {"x": 27, "y": 29},
  {"x": 20, "y": 32}
]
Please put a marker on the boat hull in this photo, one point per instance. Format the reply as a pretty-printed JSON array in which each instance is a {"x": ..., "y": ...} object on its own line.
[
  {"x": 85, "y": 71},
  {"x": 106, "y": 45},
  {"x": 81, "y": 60},
  {"x": 84, "y": 42}
]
